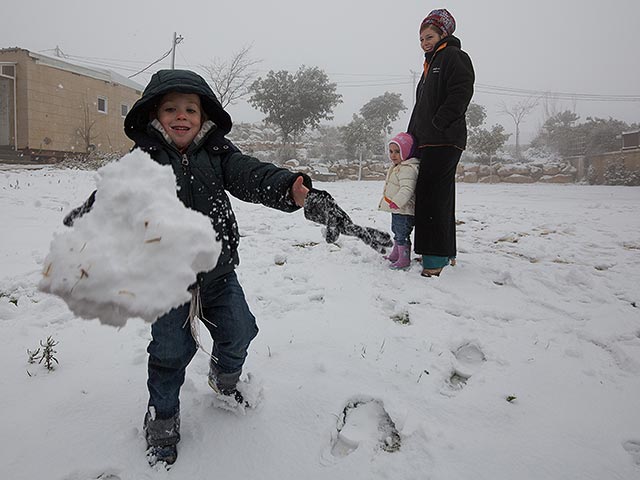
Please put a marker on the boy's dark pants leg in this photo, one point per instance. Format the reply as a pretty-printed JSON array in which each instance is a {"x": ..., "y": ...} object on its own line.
[
  {"x": 231, "y": 325},
  {"x": 172, "y": 347}
]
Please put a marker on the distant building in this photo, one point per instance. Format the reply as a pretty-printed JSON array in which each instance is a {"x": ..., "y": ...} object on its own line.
[
  {"x": 50, "y": 107},
  {"x": 631, "y": 140}
]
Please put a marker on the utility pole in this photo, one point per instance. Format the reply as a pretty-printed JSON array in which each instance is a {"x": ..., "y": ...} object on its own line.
[
  {"x": 176, "y": 40},
  {"x": 413, "y": 84}
]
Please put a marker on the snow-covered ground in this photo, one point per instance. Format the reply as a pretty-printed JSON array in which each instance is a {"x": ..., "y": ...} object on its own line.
[{"x": 522, "y": 362}]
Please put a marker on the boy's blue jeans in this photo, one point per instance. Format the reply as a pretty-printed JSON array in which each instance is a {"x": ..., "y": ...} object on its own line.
[
  {"x": 402, "y": 226},
  {"x": 172, "y": 346}
]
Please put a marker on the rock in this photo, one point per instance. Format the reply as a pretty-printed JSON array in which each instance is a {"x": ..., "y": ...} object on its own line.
[
  {"x": 550, "y": 170},
  {"x": 509, "y": 170},
  {"x": 518, "y": 179},
  {"x": 560, "y": 178},
  {"x": 490, "y": 179},
  {"x": 470, "y": 177},
  {"x": 293, "y": 163}
]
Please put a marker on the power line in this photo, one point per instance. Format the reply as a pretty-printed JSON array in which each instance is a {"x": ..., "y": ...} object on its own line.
[
  {"x": 374, "y": 80},
  {"x": 103, "y": 59},
  {"x": 378, "y": 75},
  {"x": 152, "y": 64},
  {"x": 360, "y": 84},
  {"x": 114, "y": 63},
  {"x": 107, "y": 65},
  {"x": 519, "y": 92}
]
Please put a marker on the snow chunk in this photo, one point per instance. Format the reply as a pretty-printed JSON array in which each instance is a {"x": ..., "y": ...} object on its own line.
[{"x": 136, "y": 252}]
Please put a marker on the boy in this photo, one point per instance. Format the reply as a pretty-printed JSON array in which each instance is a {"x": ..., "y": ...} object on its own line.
[{"x": 180, "y": 122}]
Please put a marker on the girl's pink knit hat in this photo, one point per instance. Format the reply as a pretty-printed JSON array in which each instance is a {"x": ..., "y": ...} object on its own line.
[{"x": 405, "y": 142}]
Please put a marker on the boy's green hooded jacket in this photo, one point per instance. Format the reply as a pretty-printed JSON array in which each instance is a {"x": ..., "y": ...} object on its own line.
[{"x": 210, "y": 165}]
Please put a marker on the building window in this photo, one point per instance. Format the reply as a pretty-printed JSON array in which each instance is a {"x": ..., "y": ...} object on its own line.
[
  {"x": 102, "y": 104},
  {"x": 124, "y": 109},
  {"x": 8, "y": 71}
]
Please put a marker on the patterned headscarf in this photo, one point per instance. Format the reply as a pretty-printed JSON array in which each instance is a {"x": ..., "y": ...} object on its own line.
[{"x": 440, "y": 18}]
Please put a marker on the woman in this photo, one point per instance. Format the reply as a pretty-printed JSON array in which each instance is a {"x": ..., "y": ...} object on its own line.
[{"x": 438, "y": 124}]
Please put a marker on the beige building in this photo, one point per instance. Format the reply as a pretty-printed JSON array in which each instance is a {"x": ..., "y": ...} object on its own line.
[{"x": 50, "y": 107}]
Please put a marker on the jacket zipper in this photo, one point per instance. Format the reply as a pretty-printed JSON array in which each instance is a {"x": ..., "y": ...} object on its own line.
[
  {"x": 426, "y": 71},
  {"x": 187, "y": 172}
]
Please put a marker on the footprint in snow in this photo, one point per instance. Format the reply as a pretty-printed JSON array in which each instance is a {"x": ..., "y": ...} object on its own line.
[
  {"x": 633, "y": 448},
  {"x": 468, "y": 359},
  {"x": 364, "y": 422},
  {"x": 92, "y": 476}
]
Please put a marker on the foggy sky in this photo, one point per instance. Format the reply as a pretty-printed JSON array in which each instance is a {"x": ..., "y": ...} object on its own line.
[{"x": 366, "y": 46}]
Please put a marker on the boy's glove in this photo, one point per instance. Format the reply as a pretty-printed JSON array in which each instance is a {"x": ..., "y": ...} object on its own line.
[
  {"x": 320, "y": 207},
  {"x": 80, "y": 211}
]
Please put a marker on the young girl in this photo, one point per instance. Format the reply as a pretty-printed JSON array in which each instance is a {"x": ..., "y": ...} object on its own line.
[
  {"x": 399, "y": 197},
  {"x": 439, "y": 127}
]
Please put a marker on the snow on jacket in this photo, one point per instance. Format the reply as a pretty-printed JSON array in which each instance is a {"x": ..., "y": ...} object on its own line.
[
  {"x": 211, "y": 165},
  {"x": 400, "y": 187},
  {"x": 442, "y": 97}
]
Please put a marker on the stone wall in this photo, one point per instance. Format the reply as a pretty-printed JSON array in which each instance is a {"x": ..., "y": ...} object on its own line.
[
  {"x": 517, "y": 173},
  {"x": 615, "y": 168}
]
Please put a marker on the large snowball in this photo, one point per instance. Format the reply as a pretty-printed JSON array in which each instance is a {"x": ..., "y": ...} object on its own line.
[{"x": 136, "y": 252}]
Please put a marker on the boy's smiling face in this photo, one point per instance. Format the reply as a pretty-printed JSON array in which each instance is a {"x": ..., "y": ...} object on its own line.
[{"x": 180, "y": 114}]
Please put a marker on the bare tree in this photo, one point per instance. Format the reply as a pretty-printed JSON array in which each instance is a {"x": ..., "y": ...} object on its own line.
[
  {"x": 86, "y": 131},
  {"x": 518, "y": 112},
  {"x": 230, "y": 80}
]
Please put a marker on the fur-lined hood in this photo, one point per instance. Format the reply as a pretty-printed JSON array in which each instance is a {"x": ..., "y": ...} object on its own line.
[{"x": 164, "y": 81}]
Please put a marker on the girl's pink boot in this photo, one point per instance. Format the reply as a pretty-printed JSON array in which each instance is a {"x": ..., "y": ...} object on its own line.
[
  {"x": 393, "y": 256},
  {"x": 404, "y": 258}
]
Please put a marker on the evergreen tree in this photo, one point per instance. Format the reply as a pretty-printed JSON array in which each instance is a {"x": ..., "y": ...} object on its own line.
[
  {"x": 485, "y": 143},
  {"x": 295, "y": 102}
]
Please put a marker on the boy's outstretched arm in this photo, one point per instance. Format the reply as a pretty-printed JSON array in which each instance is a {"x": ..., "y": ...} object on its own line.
[{"x": 299, "y": 191}]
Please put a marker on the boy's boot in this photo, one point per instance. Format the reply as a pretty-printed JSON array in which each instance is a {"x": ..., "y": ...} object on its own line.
[
  {"x": 163, "y": 435},
  {"x": 225, "y": 384},
  {"x": 404, "y": 257},
  {"x": 393, "y": 256}
]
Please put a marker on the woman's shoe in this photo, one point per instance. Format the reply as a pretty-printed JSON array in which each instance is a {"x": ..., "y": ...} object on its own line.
[
  {"x": 431, "y": 272},
  {"x": 432, "y": 265}
]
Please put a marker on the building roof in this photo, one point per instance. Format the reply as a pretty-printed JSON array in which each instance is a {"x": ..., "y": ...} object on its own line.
[{"x": 74, "y": 67}]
